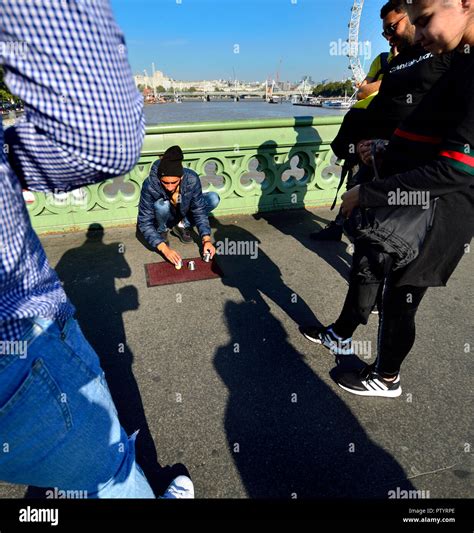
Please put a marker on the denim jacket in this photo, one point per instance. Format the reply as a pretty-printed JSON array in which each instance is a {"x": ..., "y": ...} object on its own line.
[{"x": 192, "y": 202}]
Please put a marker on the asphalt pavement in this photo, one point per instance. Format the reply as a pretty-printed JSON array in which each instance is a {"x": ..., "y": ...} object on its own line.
[{"x": 216, "y": 374}]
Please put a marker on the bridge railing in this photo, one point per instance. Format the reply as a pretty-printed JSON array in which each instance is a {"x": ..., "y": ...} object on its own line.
[{"x": 254, "y": 165}]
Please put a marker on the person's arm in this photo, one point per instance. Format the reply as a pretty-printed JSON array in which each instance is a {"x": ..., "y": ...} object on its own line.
[
  {"x": 146, "y": 217},
  {"x": 198, "y": 209},
  {"x": 372, "y": 81},
  {"x": 438, "y": 177},
  {"x": 83, "y": 118},
  {"x": 368, "y": 89},
  {"x": 451, "y": 170}
]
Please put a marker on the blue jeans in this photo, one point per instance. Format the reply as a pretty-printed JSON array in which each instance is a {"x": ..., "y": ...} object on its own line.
[
  {"x": 58, "y": 424},
  {"x": 166, "y": 217}
]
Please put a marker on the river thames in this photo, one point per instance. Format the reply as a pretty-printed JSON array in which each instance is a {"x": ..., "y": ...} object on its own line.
[
  {"x": 217, "y": 111},
  {"x": 229, "y": 110}
]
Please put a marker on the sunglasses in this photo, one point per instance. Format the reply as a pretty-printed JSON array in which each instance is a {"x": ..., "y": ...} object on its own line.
[{"x": 390, "y": 30}]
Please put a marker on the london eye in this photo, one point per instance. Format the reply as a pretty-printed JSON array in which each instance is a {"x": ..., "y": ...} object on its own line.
[{"x": 353, "y": 41}]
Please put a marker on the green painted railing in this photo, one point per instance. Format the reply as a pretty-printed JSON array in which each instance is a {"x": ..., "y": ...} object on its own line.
[{"x": 254, "y": 165}]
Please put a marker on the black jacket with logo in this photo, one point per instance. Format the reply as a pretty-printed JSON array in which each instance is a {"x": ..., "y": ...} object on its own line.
[
  {"x": 410, "y": 76},
  {"x": 433, "y": 150}
]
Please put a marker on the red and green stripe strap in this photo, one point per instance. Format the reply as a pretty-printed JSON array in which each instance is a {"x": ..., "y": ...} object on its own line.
[
  {"x": 459, "y": 156},
  {"x": 416, "y": 137}
]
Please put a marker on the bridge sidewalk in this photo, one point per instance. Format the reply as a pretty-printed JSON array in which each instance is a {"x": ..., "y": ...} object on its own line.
[{"x": 218, "y": 376}]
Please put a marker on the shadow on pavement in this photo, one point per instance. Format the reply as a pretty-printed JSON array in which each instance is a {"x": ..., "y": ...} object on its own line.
[
  {"x": 289, "y": 434},
  {"x": 258, "y": 276},
  {"x": 299, "y": 223},
  {"x": 89, "y": 273}
]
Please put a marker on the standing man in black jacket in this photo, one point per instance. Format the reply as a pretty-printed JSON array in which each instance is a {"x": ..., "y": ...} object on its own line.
[
  {"x": 412, "y": 73},
  {"x": 430, "y": 152}
]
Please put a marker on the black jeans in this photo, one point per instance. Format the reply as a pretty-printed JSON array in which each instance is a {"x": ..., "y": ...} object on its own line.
[{"x": 372, "y": 280}]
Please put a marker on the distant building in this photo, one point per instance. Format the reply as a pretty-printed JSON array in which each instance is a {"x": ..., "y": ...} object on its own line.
[
  {"x": 153, "y": 81},
  {"x": 287, "y": 85},
  {"x": 206, "y": 86},
  {"x": 201, "y": 86}
]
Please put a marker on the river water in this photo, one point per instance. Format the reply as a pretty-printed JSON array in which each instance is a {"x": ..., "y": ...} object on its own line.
[
  {"x": 229, "y": 110},
  {"x": 216, "y": 111}
]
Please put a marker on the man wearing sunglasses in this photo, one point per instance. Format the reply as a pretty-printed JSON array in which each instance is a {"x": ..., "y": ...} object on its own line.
[
  {"x": 391, "y": 29},
  {"x": 172, "y": 197},
  {"x": 369, "y": 88},
  {"x": 371, "y": 85}
]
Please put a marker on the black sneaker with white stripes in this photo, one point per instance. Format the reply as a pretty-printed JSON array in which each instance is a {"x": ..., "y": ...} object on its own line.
[
  {"x": 327, "y": 337},
  {"x": 368, "y": 382}
]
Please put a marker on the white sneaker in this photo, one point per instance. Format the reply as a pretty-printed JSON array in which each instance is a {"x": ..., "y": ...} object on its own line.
[
  {"x": 180, "y": 487},
  {"x": 368, "y": 382}
]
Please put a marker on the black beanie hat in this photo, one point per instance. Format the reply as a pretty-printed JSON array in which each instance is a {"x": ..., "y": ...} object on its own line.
[{"x": 171, "y": 163}]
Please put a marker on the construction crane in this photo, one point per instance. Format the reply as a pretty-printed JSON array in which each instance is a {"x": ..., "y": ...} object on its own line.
[{"x": 353, "y": 41}]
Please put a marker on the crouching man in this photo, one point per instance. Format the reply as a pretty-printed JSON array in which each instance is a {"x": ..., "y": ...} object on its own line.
[{"x": 172, "y": 198}]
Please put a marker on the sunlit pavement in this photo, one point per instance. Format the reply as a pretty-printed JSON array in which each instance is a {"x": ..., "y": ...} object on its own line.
[{"x": 217, "y": 375}]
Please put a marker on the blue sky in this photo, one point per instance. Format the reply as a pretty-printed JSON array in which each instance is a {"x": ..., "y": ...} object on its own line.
[{"x": 195, "y": 39}]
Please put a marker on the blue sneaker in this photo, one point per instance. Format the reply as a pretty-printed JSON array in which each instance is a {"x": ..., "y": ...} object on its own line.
[
  {"x": 326, "y": 336},
  {"x": 180, "y": 487}
]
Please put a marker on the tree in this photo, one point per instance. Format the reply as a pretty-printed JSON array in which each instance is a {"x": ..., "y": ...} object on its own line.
[
  {"x": 160, "y": 89},
  {"x": 333, "y": 88},
  {"x": 192, "y": 89},
  {"x": 5, "y": 94}
]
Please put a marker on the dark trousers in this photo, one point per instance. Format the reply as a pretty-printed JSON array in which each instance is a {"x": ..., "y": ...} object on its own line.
[{"x": 372, "y": 280}]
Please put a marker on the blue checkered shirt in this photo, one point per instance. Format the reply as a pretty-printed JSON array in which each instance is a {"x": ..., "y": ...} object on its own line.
[{"x": 83, "y": 123}]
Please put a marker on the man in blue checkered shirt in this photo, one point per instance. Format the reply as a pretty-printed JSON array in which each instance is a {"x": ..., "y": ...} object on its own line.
[{"x": 83, "y": 123}]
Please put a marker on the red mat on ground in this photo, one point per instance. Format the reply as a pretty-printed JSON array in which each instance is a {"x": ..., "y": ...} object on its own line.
[{"x": 165, "y": 273}]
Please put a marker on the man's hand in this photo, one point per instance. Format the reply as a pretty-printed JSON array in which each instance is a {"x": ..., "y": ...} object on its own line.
[
  {"x": 169, "y": 254},
  {"x": 364, "y": 150},
  {"x": 350, "y": 200},
  {"x": 207, "y": 246}
]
